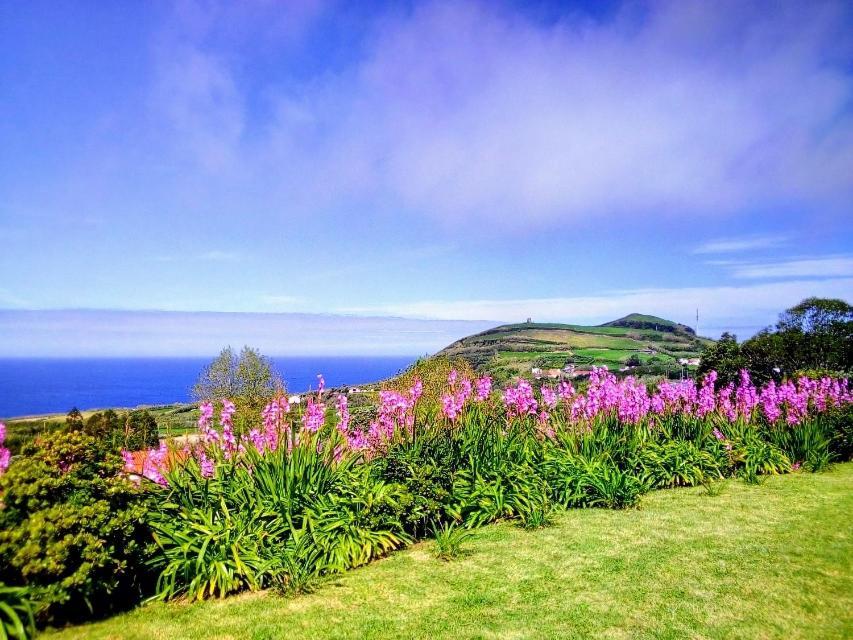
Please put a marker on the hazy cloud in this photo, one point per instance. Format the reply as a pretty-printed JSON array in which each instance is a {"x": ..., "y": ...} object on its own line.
[
  {"x": 733, "y": 245},
  {"x": 163, "y": 333},
  {"x": 830, "y": 266},
  {"x": 463, "y": 110}
]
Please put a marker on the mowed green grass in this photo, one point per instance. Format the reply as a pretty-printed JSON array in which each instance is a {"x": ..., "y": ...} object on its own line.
[{"x": 769, "y": 561}]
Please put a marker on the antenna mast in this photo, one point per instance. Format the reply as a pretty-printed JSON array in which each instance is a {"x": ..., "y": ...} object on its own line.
[{"x": 697, "y": 322}]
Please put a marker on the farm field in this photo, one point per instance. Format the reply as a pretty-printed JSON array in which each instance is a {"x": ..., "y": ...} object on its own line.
[
  {"x": 767, "y": 561},
  {"x": 653, "y": 345}
]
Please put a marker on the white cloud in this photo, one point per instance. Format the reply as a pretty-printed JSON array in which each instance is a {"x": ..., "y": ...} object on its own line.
[
  {"x": 733, "y": 245},
  {"x": 825, "y": 267}
]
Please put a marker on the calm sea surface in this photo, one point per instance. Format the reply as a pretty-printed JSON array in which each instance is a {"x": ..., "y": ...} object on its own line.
[{"x": 35, "y": 386}]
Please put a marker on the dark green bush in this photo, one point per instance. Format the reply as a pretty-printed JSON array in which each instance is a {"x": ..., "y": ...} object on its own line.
[
  {"x": 72, "y": 528},
  {"x": 674, "y": 463}
]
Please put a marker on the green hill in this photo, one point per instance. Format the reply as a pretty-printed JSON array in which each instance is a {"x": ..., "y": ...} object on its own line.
[{"x": 650, "y": 344}]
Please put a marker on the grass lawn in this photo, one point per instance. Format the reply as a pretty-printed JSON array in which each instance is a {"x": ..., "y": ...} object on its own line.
[{"x": 769, "y": 561}]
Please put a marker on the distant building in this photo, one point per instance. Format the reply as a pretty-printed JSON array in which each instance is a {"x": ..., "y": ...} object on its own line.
[{"x": 537, "y": 372}]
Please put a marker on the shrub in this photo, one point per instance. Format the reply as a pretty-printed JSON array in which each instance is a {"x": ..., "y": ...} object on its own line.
[
  {"x": 281, "y": 518},
  {"x": 425, "y": 467},
  {"x": 72, "y": 529},
  {"x": 807, "y": 444},
  {"x": 448, "y": 540},
  {"x": 839, "y": 422},
  {"x": 755, "y": 458},
  {"x": 603, "y": 484},
  {"x": 140, "y": 431},
  {"x": 674, "y": 463},
  {"x": 432, "y": 372},
  {"x": 536, "y": 514}
]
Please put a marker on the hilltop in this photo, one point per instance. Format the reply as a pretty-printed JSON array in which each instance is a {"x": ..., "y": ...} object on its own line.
[{"x": 650, "y": 344}]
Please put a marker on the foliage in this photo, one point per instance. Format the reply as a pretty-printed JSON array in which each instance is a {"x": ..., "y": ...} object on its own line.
[
  {"x": 675, "y": 463},
  {"x": 817, "y": 333},
  {"x": 274, "y": 519},
  {"x": 432, "y": 372},
  {"x": 74, "y": 419},
  {"x": 72, "y": 529},
  {"x": 16, "y": 614},
  {"x": 309, "y": 492},
  {"x": 248, "y": 379},
  {"x": 140, "y": 431},
  {"x": 448, "y": 540}
]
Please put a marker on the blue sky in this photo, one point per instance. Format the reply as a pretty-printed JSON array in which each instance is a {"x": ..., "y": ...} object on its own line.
[{"x": 432, "y": 160}]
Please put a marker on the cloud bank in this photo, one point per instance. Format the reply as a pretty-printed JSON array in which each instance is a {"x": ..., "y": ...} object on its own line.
[{"x": 173, "y": 333}]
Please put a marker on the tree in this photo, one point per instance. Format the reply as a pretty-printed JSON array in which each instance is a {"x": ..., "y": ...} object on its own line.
[
  {"x": 815, "y": 334},
  {"x": 140, "y": 431},
  {"x": 248, "y": 379},
  {"x": 724, "y": 357},
  {"x": 104, "y": 426},
  {"x": 818, "y": 334},
  {"x": 74, "y": 420}
]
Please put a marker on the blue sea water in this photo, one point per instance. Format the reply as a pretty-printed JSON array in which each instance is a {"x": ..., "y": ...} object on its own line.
[{"x": 41, "y": 385}]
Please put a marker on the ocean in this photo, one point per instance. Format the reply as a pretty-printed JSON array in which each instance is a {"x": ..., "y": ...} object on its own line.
[{"x": 46, "y": 385}]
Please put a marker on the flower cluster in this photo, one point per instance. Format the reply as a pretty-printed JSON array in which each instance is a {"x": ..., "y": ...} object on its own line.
[
  {"x": 396, "y": 413},
  {"x": 632, "y": 402},
  {"x": 453, "y": 402},
  {"x": 628, "y": 400},
  {"x": 519, "y": 400},
  {"x": 5, "y": 454}
]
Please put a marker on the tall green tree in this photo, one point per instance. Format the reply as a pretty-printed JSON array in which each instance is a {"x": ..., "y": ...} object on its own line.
[
  {"x": 248, "y": 379},
  {"x": 74, "y": 420},
  {"x": 817, "y": 333}
]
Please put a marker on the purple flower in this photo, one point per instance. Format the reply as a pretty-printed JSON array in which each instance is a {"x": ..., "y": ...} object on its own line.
[{"x": 314, "y": 416}]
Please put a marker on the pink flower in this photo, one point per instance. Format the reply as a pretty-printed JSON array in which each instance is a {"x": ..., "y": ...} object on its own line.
[
  {"x": 417, "y": 390},
  {"x": 5, "y": 454},
  {"x": 484, "y": 388},
  {"x": 205, "y": 422},
  {"x": 314, "y": 416},
  {"x": 519, "y": 400},
  {"x": 342, "y": 407},
  {"x": 549, "y": 397},
  {"x": 321, "y": 383},
  {"x": 127, "y": 456},
  {"x": 205, "y": 465},
  {"x": 565, "y": 390},
  {"x": 452, "y": 377}
]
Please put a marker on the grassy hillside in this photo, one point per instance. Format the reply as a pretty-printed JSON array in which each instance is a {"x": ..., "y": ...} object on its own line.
[
  {"x": 654, "y": 343},
  {"x": 769, "y": 561}
]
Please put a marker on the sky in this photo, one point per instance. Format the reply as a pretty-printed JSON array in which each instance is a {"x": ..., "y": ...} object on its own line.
[{"x": 411, "y": 165}]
